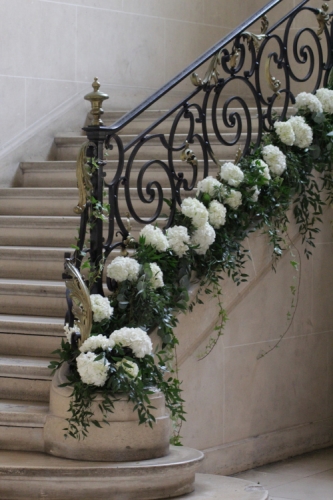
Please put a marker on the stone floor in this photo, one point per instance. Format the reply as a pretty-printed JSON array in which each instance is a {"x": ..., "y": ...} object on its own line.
[{"x": 307, "y": 477}]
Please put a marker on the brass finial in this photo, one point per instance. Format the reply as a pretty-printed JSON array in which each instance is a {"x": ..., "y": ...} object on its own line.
[{"x": 96, "y": 99}]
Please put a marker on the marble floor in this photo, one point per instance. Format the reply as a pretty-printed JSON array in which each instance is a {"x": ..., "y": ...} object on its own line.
[{"x": 306, "y": 477}]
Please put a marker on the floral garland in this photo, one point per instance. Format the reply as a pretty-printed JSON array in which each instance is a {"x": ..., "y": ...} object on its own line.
[{"x": 150, "y": 287}]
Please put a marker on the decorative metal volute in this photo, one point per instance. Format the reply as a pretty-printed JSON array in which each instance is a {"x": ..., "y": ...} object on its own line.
[
  {"x": 257, "y": 39},
  {"x": 212, "y": 73},
  {"x": 323, "y": 18},
  {"x": 81, "y": 300},
  {"x": 96, "y": 99},
  {"x": 273, "y": 83},
  {"x": 83, "y": 178},
  {"x": 188, "y": 155}
]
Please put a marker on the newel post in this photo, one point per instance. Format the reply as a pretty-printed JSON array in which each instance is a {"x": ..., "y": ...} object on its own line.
[{"x": 96, "y": 135}]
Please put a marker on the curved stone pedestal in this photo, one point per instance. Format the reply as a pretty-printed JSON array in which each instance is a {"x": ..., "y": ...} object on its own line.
[
  {"x": 120, "y": 441},
  {"x": 32, "y": 476}
]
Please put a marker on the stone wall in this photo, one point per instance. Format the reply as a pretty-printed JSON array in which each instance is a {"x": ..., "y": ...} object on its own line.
[{"x": 244, "y": 410}]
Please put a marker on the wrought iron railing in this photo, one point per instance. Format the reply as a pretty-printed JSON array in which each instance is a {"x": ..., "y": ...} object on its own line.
[{"x": 266, "y": 69}]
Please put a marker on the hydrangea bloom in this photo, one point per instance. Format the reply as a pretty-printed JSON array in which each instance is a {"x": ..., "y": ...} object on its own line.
[
  {"x": 95, "y": 342},
  {"x": 217, "y": 213},
  {"x": 209, "y": 185},
  {"x": 285, "y": 132},
  {"x": 275, "y": 159},
  {"x": 157, "y": 278},
  {"x": 123, "y": 268},
  {"x": 101, "y": 307},
  {"x": 196, "y": 211},
  {"x": 154, "y": 237},
  {"x": 178, "y": 239},
  {"x": 233, "y": 199},
  {"x": 231, "y": 174},
  {"x": 134, "y": 338},
  {"x": 129, "y": 367},
  {"x": 69, "y": 330},
  {"x": 308, "y": 102},
  {"x": 325, "y": 96},
  {"x": 204, "y": 236},
  {"x": 303, "y": 133},
  {"x": 91, "y": 371}
]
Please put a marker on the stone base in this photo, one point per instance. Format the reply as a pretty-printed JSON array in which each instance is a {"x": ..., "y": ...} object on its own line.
[
  {"x": 32, "y": 476},
  {"x": 122, "y": 440}
]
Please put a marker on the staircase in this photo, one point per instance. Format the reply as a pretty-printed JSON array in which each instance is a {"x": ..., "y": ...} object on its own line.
[{"x": 38, "y": 226}]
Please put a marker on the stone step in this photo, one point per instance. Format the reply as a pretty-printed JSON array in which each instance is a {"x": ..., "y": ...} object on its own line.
[
  {"x": 68, "y": 147},
  {"x": 30, "y": 335},
  {"x": 32, "y": 262},
  {"x": 147, "y": 118},
  {"x": 61, "y": 201},
  {"x": 24, "y": 378},
  {"x": 39, "y": 298},
  {"x": 48, "y": 231},
  {"x": 38, "y": 231},
  {"x": 62, "y": 174},
  {"x": 21, "y": 425},
  {"x": 35, "y": 475}
]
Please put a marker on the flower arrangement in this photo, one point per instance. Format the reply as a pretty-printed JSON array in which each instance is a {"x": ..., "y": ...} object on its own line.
[{"x": 150, "y": 286}]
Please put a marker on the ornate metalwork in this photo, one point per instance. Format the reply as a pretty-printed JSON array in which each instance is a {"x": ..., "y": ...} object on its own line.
[
  {"x": 83, "y": 178},
  {"x": 228, "y": 110},
  {"x": 96, "y": 99},
  {"x": 80, "y": 296},
  {"x": 273, "y": 83},
  {"x": 323, "y": 18},
  {"x": 257, "y": 39}
]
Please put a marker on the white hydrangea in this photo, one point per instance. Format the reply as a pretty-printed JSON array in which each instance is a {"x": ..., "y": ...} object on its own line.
[
  {"x": 178, "y": 239},
  {"x": 123, "y": 268},
  {"x": 325, "y": 96},
  {"x": 233, "y": 199},
  {"x": 157, "y": 278},
  {"x": 196, "y": 211},
  {"x": 263, "y": 169},
  {"x": 209, "y": 185},
  {"x": 134, "y": 338},
  {"x": 204, "y": 236},
  {"x": 303, "y": 132},
  {"x": 154, "y": 237},
  {"x": 129, "y": 367},
  {"x": 91, "y": 371},
  {"x": 217, "y": 213},
  {"x": 95, "y": 342},
  {"x": 69, "y": 330},
  {"x": 275, "y": 159},
  {"x": 231, "y": 174},
  {"x": 285, "y": 132},
  {"x": 101, "y": 307},
  {"x": 255, "y": 194},
  {"x": 308, "y": 102}
]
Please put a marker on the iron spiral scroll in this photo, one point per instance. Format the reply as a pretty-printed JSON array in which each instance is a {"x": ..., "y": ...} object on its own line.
[{"x": 251, "y": 81}]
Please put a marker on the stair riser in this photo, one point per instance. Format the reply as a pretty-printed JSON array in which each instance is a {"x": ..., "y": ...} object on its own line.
[
  {"x": 148, "y": 152},
  {"x": 42, "y": 237},
  {"x": 22, "y": 438},
  {"x": 35, "y": 206},
  {"x": 24, "y": 389},
  {"x": 23, "y": 268},
  {"x": 34, "y": 345},
  {"x": 38, "y": 304},
  {"x": 67, "y": 178}
]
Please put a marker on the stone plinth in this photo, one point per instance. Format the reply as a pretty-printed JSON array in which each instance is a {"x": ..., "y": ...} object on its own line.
[
  {"x": 33, "y": 476},
  {"x": 123, "y": 440}
]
